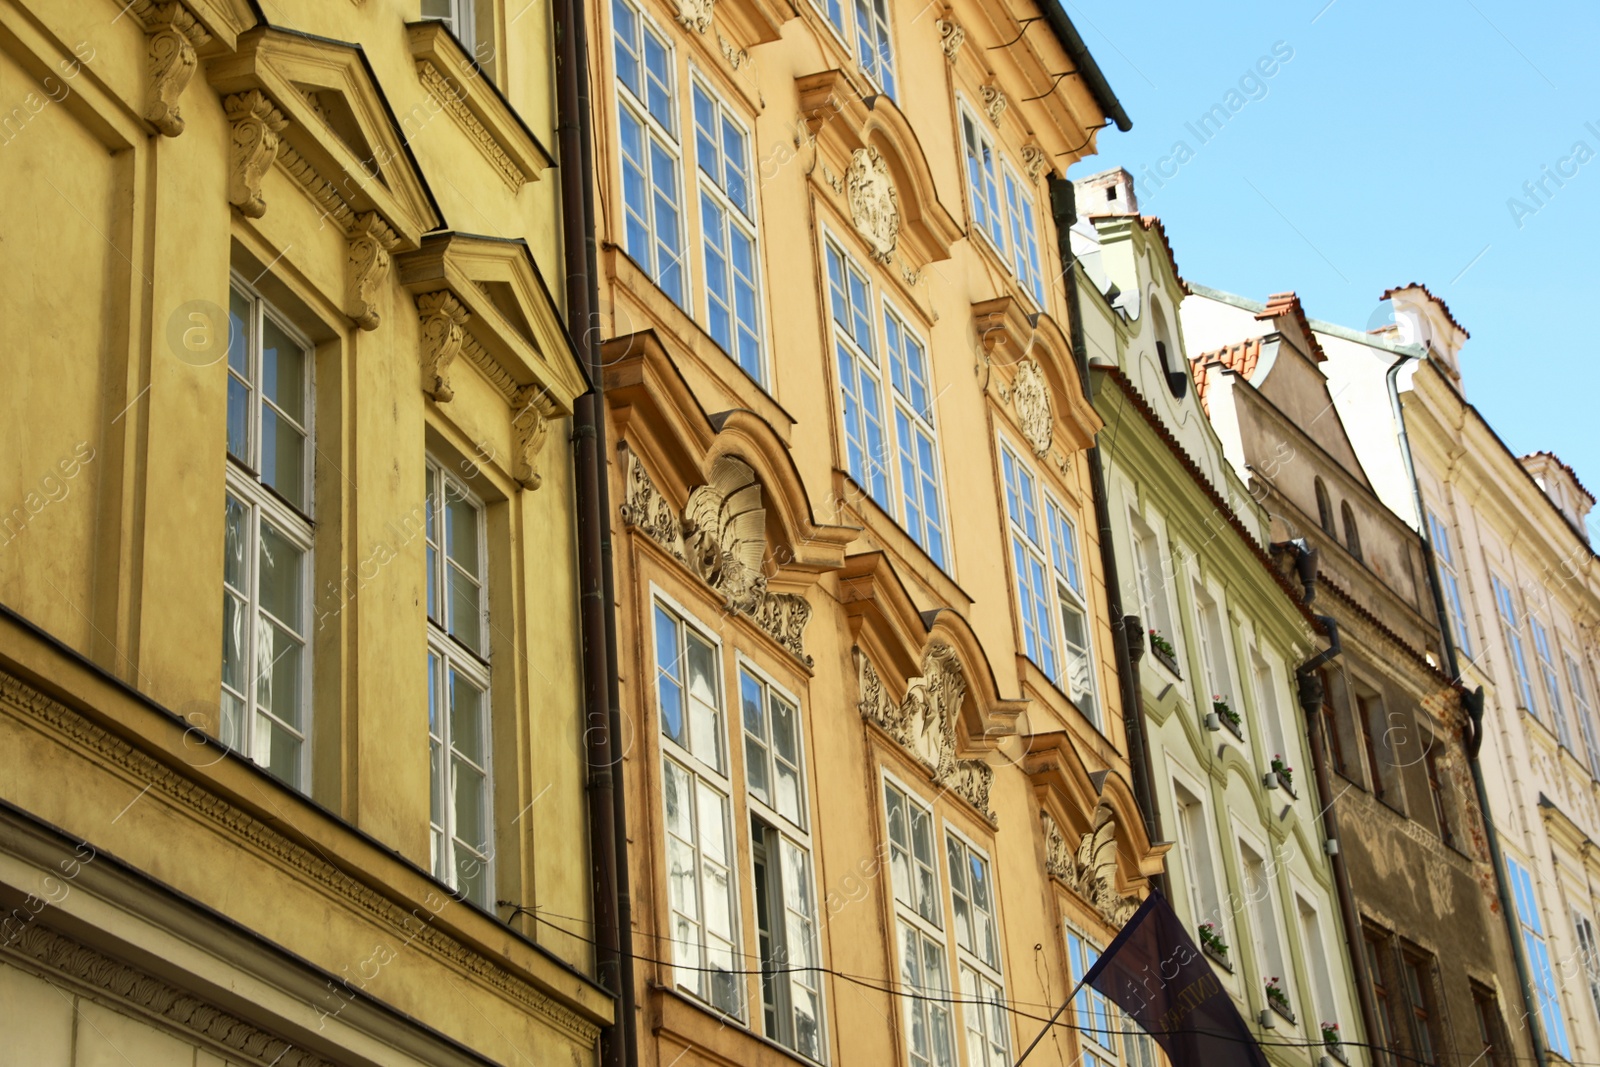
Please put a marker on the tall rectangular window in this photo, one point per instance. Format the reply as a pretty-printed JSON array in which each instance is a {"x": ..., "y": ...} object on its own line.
[
  {"x": 921, "y": 494},
  {"x": 1029, "y": 564},
  {"x": 1376, "y": 949},
  {"x": 700, "y": 886},
  {"x": 1073, "y": 608},
  {"x": 727, "y": 222},
  {"x": 1024, "y": 238},
  {"x": 460, "y": 825},
  {"x": 652, "y": 197},
  {"x": 1444, "y": 556},
  {"x": 983, "y": 180},
  {"x": 1214, "y": 648},
  {"x": 860, "y": 387},
  {"x": 1150, "y": 572},
  {"x": 266, "y": 573},
  {"x": 1264, "y": 920},
  {"x": 1589, "y": 957},
  {"x": 1314, "y": 949},
  {"x": 1551, "y": 1018},
  {"x": 919, "y": 930},
  {"x": 786, "y": 912},
  {"x": 1370, "y": 721},
  {"x": 1583, "y": 710},
  {"x": 1552, "y": 680},
  {"x": 874, "y": 49},
  {"x": 1491, "y": 1029},
  {"x": 458, "y": 15},
  {"x": 1506, "y": 605},
  {"x": 1100, "y": 1025},
  {"x": 1418, "y": 974},
  {"x": 1194, "y": 840},
  {"x": 978, "y": 954},
  {"x": 1437, "y": 787}
]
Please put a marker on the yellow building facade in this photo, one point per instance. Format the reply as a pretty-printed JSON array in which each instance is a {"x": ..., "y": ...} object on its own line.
[
  {"x": 880, "y": 807},
  {"x": 291, "y": 736}
]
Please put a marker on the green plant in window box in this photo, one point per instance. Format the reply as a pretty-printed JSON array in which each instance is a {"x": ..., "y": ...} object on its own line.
[
  {"x": 1212, "y": 941},
  {"x": 1226, "y": 713},
  {"x": 1284, "y": 772}
]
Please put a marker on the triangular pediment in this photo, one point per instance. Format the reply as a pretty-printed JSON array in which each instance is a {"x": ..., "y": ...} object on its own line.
[{"x": 340, "y": 139}]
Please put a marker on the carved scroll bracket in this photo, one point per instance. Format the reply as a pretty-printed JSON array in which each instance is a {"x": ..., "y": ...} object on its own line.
[
  {"x": 371, "y": 241},
  {"x": 994, "y": 102},
  {"x": 535, "y": 409},
  {"x": 443, "y": 334},
  {"x": 924, "y": 722},
  {"x": 256, "y": 124},
  {"x": 172, "y": 35},
  {"x": 951, "y": 38}
]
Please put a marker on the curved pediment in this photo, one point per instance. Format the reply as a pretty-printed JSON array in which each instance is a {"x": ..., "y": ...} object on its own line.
[
  {"x": 1029, "y": 367},
  {"x": 868, "y": 152}
]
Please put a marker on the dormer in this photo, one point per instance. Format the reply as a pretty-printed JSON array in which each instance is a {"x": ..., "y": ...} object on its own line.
[
  {"x": 1423, "y": 319},
  {"x": 1560, "y": 483}
]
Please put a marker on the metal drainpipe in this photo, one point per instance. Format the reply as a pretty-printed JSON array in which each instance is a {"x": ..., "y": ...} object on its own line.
[
  {"x": 606, "y": 824},
  {"x": 1310, "y": 693},
  {"x": 1473, "y": 704},
  {"x": 1064, "y": 208}
]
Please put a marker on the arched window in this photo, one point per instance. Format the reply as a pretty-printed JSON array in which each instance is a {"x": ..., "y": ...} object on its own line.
[
  {"x": 1352, "y": 536},
  {"x": 1325, "y": 509}
]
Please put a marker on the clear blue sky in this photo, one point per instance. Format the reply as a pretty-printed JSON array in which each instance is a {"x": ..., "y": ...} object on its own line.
[{"x": 1384, "y": 152}]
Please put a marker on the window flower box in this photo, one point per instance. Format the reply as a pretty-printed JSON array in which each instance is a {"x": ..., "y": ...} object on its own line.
[
  {"x": 1228, "y": 717},
  {"x": 1278, "y": 1000},
  {"x": 1212, "y": 945},
  {"x": 1285, "y": 774},
  {"x": 1163, "y": 651},
  {"x": 1332, "y": 1044}
]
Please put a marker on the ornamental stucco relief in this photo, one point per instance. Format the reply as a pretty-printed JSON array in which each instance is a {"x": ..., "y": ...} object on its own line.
[
  {"x": 1030, "y": 397},
  {"x": 874, "y": 206}
]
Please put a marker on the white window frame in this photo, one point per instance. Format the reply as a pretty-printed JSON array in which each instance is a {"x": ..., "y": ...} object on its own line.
[
  {"x": 985, "y": 186},
  {"x": 798, "y": 969},
  {"x": 1027, "y": 258},
  {"x": 1444, "y": 556},
  {"x": 919, "y": 423},
  {"x": 1031, "y": 567},
  {"x": 984, "y": 1010},
  {"x": 1264, "y": 685},
  {"x": 454, "y": 655},
  {"x": 876, "y": 474},
  {"x": 1211, "y": 628},
  {"x": 461, "y": 19},
  {"x": 1200, "y": 860},
  {"x": 874, "y": 31},
  {"x": 1071, "y": 597},
  {"x": 1544, "y": 659},
  {"x": 1537, "y": 954},
  {"x": 1313, "y": 950},
  {"x": 249, "y": 731},
  {"x": 1099, "y": 1022},
  {"x": 930, "y": 1003},
  {"x": 1147, "y": 540},
  {"x": 1582, "y": 709},
  {"x": 691, "y": 959},
  {"x": 744, "y": 219},
  {"x": 1506, "y": 607},
  {"x": 653, "y": 131},
  {"x": 1588, "y": 956},
  {"x": 1263, "y": 917}
]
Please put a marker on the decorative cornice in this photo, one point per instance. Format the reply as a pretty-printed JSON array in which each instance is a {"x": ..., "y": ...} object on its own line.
[
  {"x": 722, "y": 538},
  {"x": 61, "y": 956},
  {"x": 236, "y": 823},
  {"x": 924, "y": 722},
  {"x": 440, "y": 88},
  {"x": 1091, "y": 870}
]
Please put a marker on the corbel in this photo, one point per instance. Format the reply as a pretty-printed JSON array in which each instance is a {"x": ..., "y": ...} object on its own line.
[
  {"x": 443, "y": 335},
  {"x": 951, "y": 37},
  {"x": 256, "y": 123},
  {"x": 531, "y": 425},
  {"x": 172, "y": 33},
  {"x": 372, "y": 239},
  {"x": 994, "y": 102}
]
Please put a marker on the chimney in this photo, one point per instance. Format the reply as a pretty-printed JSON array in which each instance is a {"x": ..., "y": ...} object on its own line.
[{"x": 1108, "y": 193}]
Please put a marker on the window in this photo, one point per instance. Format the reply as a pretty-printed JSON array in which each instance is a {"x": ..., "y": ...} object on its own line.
[
  {"x": 1330, "y": 721},
  {"x": 1098, "y": 1023},
  {"x": 919, "y": 923},
  {"x": 1491, "y": 1032},
  {"x": 786, "y": 913},
  {"x": 1507, "y": 608},
  {"x": 874, "y": 50},
  {"x": 1266, "y": 693},
  {"x": 456, "y": 14},
  {"x": 1194, "y": 840},
  {"x": 699, "y": 827},
  {"x": 1370, "y": 720},
  {"x": 983, "y": 180},
  {"x": 1436, "y": 788},
  {"x": 1150, "y": 572},
  {"x": 1589, "y": 952},
  {"x": 727, "y": 221},
  {"x": 1024, "y": 238},
  {"x": 266, "y": 570},
  {"x": 1551, "y": 1019},
  {"x": 921, "y": 496},
  {"x": 652, "y": 200},
  {"x": 918, "y": 506},
  {"x": 1552, "y": 680},
  {"x": 1213, "y": 649},
  {"x": 984, "y": 1006},
  {"x": 1314, "y": 949},
  {"x": 1324, "y": 509},
  {"x": 460, "y": 826},
  {"x": 1583, "y": 710},
  {"x": 1352, "y": 535},
  {"x": 1418, "y": 974},
  {"x": 1049, "y": 577},
  {"x": 1376, "y": 947},
  {"x": 1444, "y": 556},
  {"x": 1264, "y": 920},
  {"x": 859, "y": 385}
]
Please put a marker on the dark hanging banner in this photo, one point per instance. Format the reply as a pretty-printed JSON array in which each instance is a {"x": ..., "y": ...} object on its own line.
[{"x": 1155, "y": 973}]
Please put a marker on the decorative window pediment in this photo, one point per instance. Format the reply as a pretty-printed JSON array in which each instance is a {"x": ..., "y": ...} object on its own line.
[
  {"x": 1088, "y": 866},
  {"x": 313, "y": 107},
  {"x": 868, "y": 153},
  {"x": 1028, "y": 365},
  {"x": 453, "y": 80},
  {"x": 482, "y": 300}
]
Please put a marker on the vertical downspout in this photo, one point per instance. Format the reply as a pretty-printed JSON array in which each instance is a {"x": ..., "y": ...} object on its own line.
[
  {"x": 1063, "y": 207},
  {"x": 1309, "y": 690},
  {"x": 607, "y": 827},
  {"x": 1473, "y": 704}
]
